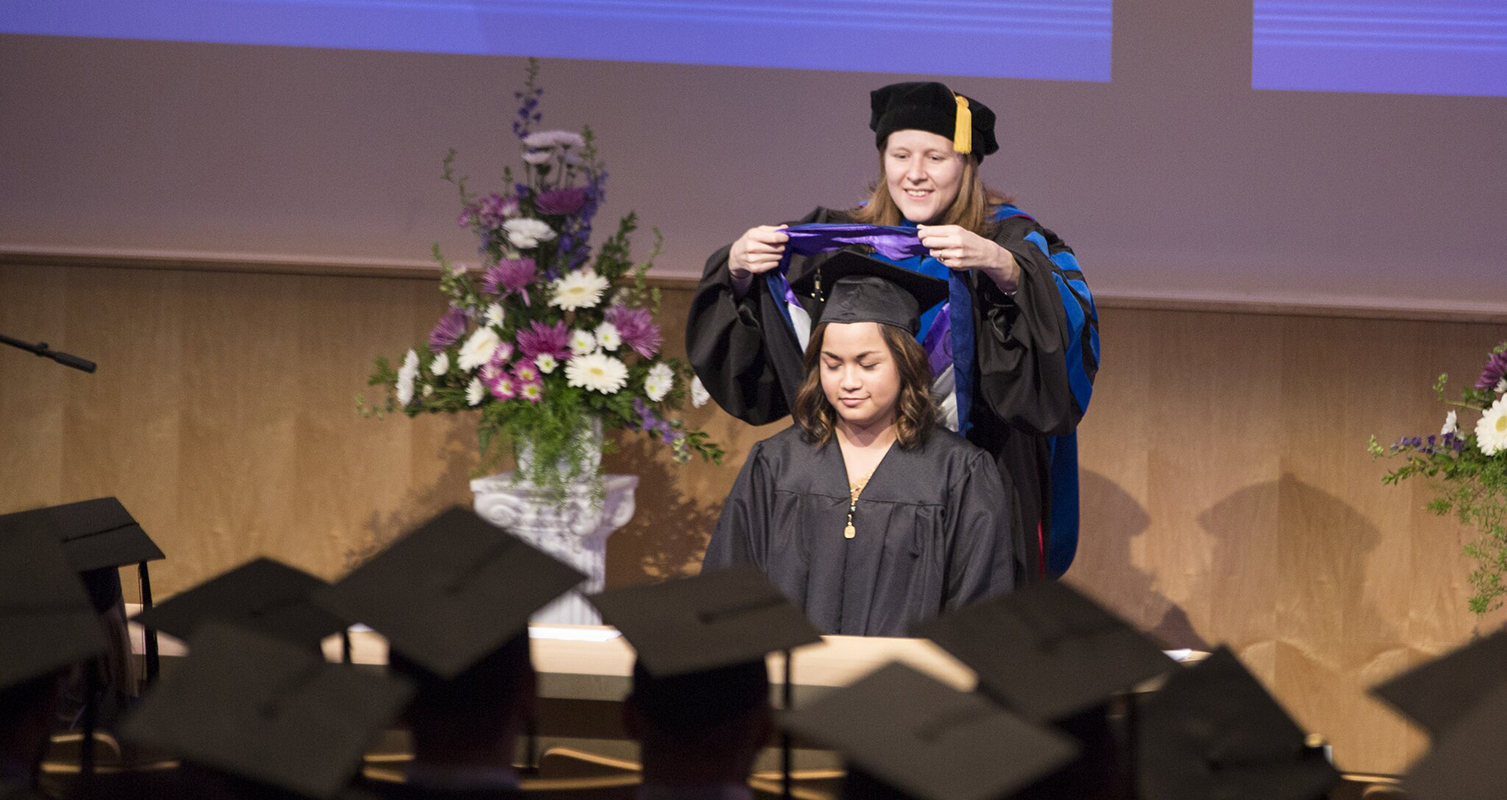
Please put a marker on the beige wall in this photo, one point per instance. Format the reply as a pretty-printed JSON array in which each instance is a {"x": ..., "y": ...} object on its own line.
[{"x": 1227, "y": 492}]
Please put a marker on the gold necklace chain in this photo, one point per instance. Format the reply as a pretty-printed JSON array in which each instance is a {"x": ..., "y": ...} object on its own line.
[{"x": 854, "y": 490}]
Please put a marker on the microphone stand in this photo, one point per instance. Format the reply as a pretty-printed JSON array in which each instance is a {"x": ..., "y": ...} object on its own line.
[{"x": 40, "y": 349}]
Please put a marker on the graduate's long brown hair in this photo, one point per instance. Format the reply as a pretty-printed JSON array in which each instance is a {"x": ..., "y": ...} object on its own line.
[
  {"x": 915, "y": 410},
  {"x": 973, "y": 208}
]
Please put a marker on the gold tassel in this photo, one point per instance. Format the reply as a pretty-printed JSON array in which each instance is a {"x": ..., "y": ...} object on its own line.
[{"x": 962, "y": 133}]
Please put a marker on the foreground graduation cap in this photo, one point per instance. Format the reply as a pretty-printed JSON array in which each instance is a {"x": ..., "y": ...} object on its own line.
[
  {"x": 928, "y": 740},
  {"x": 262, "y": 595},
  {"x": 450, "y": 592},
  {"x": 1213, "y": 731},
  {"x": 1439, "y": 693},
  {"x": 95, "y": 534},
  {"x": 1046, "y": 650},
  {"x": 1465, "y": 761},
  {"x": 719, "y": 618},
  {"x": 266, "y": 710},
  {"x": 866, "y": 289},
  {"x": 46, "y": 621}
]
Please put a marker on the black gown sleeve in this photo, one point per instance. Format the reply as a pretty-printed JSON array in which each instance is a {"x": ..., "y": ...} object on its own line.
[
  {"x": 982, "y": 561},
  {"x": 741, "y": 347},
  {"x": 742, "y": 532},
  {"x": 1034, "y": 347}
]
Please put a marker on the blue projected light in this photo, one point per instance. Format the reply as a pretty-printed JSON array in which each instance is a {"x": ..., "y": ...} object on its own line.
[
  {"x": 1456, "y": 47},
  {"x": 1052, "y": 39}
]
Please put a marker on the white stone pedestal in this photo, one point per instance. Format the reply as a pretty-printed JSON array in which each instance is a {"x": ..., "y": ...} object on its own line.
[{"x": 574, "y": 531}]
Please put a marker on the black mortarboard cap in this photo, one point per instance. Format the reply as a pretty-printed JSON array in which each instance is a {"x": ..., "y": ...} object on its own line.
[
  {"x": 1046, "y": 650},
  {"x": 865, "y": 289},
  {"x": 451, "y": 591},
  {"x": 264, "y": 709},
  {"x": 46, "y": 622},
  {"x": 1465, "y": 761},
  {"x": 262, "y": 595},
  {"x": 929, "y": 740},
  {"x": 719, "y": 618},
  {"x": 95, "y": 533},
  {"x": 930, "y": 107},
  {"x": 1213, "y": 731},
  {"x": 1441, "y": 691}
]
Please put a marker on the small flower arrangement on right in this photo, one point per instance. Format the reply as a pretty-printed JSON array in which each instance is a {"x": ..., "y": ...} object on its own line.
[{"x": 1468, "y": 467}]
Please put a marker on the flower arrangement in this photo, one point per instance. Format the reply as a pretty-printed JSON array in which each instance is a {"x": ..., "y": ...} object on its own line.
[
  {"x": 543, "y": 338},
  {"x": 1469, "y": 468}
]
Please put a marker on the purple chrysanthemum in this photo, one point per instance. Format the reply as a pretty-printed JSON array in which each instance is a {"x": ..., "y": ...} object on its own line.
[
  {"x": 1495, "y": 370},
  {"x": 448, "y": 330},
  {"x": 561, "y": 201},
  {"x": 494, "y": 208},
  {"x": 638, "y": 329},
  {"x": 510, "y": 275},
  {"x": 541, "y": 339}
]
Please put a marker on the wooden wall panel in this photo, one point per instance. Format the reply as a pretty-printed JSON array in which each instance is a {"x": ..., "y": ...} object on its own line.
[{"x": 1227, "y": 495}]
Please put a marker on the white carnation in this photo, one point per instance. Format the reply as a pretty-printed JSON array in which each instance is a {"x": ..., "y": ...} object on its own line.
[
  {"x": 478, "y": 349},
  {"x": 699, "y": 394},
  {"x": 475, "y": 392},
  {"x": 407, "y": 374},
  {"x": 546, "y": 363},
  {"x": 440, "y": 365},
  {"x": 494, "y": 315},
  {"x": 1451, "y": 424},
  {"x": 608, "y": 337},
  {"x": 580, "y": 289},
  {"x": 582, "y": 342},
  {"x": 659, "y": 382},
  {"x": 597, "y": 372},
  {"x": 1491, "y": 431},
  {"x": 525, "y": 233}
]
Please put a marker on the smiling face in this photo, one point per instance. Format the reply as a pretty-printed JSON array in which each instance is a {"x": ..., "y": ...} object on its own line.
[
  {"x": 923, "y": 173},
  {"x": 859, "y": 375}
]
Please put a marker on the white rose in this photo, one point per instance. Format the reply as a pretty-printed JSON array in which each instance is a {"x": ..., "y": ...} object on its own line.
[
  {"x": 478, "y": 349},
  {"x": 1451, "y": 424}
]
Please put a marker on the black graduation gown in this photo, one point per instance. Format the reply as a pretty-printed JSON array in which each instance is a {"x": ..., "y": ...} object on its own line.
[
  {"x": 1033, "y": 367},
  {"x": 933, "y": 531}
]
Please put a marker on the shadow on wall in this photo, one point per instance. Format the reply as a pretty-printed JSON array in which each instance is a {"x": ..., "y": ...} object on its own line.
[
  {"x": 1111, "y": 522},
  {"x": 456, "y": 456},
  {"x": 668, "y": 533}
]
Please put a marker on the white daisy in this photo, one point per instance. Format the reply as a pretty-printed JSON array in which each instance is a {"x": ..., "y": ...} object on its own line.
[
  {"x": 428, "y": 390},
  {"x": 659, "y": 382},
  {"x": 582, "y": 342},
  {"x": 475, "y": 392},
  {"x": 1491, "y": 431},
  {"x": 525, "y": 233},
  {"x": 580, "y": 289},
  {"x": 608, "y": 337},
  {"x": 1451, "y": 424},
  {"x": 537, "y": 157},
  {"x": 407, "y": 374},
  {"x": 699, "y": 394},
  {"x": 546, "y": 363},
  {"x": 440, "y": 365},
  {"x": 478, "y": 349},
  {"x": 548, "y": 139},
  {"x": 494, "y": 315},
  {"x": 597, "y": 372}
]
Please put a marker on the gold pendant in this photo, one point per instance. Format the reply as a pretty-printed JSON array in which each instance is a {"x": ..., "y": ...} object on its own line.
[{"x": 848, "y": 532}]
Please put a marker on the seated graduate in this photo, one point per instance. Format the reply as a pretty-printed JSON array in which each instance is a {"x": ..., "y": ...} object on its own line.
[
  {"x": 453, "y": 598},
  {"x": 48, "y": 627},
  {"x": 699, "y": 707},
  {"x": 865, "y": 513}
]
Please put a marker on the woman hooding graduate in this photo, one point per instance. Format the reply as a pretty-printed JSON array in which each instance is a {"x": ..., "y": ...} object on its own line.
[
  {"x": 865, "y": 513},
  {"x": 1014, "y": 348}
]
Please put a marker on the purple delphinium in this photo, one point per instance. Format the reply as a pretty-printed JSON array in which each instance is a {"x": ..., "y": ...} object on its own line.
[
  {"x": 654, "y": 426},
  {"x": 510, "y": 275},
  {"x": 1496, "y": 369},
  {"x": 638, "y": 329},
  {"x": 448, "y": 330},
  {"x": 561, "y": 202},
  {"x": 539, "y": 339}
]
